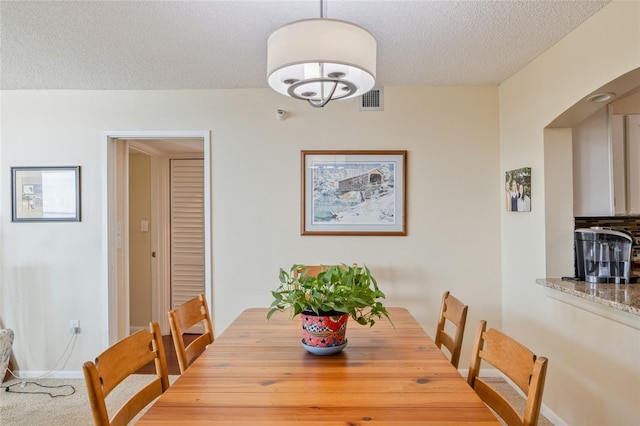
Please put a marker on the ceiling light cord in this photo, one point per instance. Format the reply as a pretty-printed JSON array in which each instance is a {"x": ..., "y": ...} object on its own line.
[{"x": 323, "y": 99}]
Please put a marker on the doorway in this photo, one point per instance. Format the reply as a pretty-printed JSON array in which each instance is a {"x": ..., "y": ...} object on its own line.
[{"x": 159, "y": 148}]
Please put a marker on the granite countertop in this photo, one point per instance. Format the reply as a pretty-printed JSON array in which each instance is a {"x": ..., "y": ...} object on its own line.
[{"x": 624, "y": 297}]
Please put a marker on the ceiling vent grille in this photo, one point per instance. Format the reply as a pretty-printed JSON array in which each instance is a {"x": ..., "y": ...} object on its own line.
[{"x": 373, "y": 100}]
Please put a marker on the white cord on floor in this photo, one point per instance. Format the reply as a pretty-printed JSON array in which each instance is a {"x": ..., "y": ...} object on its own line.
[{"x": 69, "y": 349}]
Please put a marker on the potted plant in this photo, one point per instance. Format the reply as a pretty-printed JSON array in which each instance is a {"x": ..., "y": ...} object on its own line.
[{"x": 326, "y": 300}]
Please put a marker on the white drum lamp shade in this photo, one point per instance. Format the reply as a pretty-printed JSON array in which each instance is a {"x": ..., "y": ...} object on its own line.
[{"x": 321, "y": 59}]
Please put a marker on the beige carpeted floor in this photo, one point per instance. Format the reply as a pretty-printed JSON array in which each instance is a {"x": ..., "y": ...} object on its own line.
[
  {"x": 513, "y": 396},
  {"x": 71, "y": 406}
]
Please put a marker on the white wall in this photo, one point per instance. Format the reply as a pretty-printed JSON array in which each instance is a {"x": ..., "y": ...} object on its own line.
[
  {"x": 594, "y": 375},
  {"x": 53, "y": 272}
]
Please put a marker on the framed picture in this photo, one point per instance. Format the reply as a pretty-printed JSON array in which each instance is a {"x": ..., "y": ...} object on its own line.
[
  {"x": 354, "y": 193},
  {"x": 45, "y": 194},
  {"x": 518, "y": 190}
]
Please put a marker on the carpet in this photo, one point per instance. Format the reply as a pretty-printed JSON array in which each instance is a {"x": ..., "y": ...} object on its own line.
[
  {"x": 513, "y": 397},
  {"x": 64, "y": 402},
  {"x": 61, "y": 402}
]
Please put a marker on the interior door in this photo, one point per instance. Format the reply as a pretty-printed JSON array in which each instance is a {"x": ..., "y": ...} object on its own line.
[{"x": 187, "y": 231}]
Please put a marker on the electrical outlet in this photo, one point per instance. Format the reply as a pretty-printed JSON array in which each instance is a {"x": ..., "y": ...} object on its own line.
[{"x": 74, "y": 327}]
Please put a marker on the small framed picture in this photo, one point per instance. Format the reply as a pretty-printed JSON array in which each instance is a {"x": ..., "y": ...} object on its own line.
[
  {"x": 354, "y": 193},
  {"x": 45, "y": 194},
  {"x": 518, "y": 190}
]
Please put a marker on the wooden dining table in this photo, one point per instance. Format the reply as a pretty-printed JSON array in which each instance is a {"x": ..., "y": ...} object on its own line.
[{"x": 257, "y": 373}]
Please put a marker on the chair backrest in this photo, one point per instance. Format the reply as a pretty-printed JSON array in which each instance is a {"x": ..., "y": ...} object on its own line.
[
  {"x": 182, "y": 319},
  {"x": 310, "y": 270},
  {"x": 454, "y": 311},
  {"x": 516, "y": 362},
  {"x": 314, "y": 270},
  {"x": 119, "y": 362}
]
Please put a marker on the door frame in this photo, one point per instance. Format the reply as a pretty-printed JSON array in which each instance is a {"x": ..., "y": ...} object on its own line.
[{"x": 116, "y": 226}]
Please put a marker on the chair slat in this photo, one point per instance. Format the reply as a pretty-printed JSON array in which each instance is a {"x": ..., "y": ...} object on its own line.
[{"x": 497, "y": 402}]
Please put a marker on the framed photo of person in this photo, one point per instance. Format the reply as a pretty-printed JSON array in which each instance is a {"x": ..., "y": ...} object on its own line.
[{"x": 518, "y": 190}]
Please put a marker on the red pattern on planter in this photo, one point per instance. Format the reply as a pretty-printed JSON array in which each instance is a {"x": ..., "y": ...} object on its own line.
[{"x": 324, "y": 331}]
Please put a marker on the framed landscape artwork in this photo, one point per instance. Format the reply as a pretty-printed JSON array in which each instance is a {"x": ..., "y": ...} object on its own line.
[
  {"x": 45, "y": 194},
  {"x": 353, "y": 192},
  {"x": 518, "y": 190}
]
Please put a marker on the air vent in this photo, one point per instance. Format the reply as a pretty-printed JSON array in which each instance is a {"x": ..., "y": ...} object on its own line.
[{"x": 373, "y": 100}]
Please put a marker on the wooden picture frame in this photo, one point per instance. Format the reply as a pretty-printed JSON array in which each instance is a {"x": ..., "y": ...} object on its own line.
[
  {"x": 45, "y": 194},
  {"x": 353, "y": 193}
]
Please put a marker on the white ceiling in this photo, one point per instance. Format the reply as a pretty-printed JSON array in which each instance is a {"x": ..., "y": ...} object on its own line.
[{"x": 222, "y": 44}]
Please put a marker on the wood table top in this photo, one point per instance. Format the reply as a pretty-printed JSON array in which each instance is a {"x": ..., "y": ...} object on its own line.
[{"x": 256, "y": 372}]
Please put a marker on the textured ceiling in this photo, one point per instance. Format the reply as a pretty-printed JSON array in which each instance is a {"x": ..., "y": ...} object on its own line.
[{"x": 222, "y": 44}]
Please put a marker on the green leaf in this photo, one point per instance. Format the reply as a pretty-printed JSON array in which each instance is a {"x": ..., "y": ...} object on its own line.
[{"x": 346, "y": 288}]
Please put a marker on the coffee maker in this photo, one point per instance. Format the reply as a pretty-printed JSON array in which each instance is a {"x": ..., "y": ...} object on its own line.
[{"x": 603, "y": 255}]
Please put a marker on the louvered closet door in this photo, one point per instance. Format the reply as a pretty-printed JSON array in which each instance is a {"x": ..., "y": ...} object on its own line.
[{"x": 187, "y": 231}]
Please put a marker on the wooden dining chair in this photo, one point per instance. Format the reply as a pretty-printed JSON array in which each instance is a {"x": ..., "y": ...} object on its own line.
[
  {"x": 313, "y": 270},
  {"x": 516, "y": 362},
  {"x": 117, "y": 363},
  {"x": 181, "y": 319},
  {"x": 310, "y": 270},
  {"x": 455, "y": 312}
]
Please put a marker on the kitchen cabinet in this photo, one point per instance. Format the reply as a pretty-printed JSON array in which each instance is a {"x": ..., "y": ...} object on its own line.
[
  {"x": 631, "y": 139},
  {"x": 592, "y": 167},
  {"x": 606, "y": 161}
]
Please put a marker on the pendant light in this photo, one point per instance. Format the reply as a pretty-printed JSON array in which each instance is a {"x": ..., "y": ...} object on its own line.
[{"x": 319, "y": 60}]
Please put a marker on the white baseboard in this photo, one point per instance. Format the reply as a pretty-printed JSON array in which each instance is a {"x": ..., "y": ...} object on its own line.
[
  {"x": 48, "y": 375},
  {"x": 552, "y": 417}
]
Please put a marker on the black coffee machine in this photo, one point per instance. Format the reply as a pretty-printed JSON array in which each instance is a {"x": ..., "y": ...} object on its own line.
[{"x": 603, "y": 255}]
